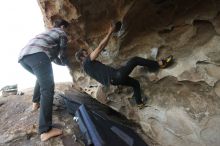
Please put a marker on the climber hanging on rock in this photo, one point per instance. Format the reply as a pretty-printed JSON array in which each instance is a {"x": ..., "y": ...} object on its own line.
[
  {"x": 107, "y": 75},
  {"x": 36, "y": 58}
]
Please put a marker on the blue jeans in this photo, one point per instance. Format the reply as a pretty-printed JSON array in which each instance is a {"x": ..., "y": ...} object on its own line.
[{"x": 39, "y": 64}]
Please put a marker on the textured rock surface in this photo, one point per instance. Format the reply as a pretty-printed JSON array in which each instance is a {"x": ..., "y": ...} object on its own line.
[{"x": 184, "y": 100}]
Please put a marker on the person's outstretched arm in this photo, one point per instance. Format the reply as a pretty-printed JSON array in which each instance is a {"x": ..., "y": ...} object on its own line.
[{"x": 102, "y": 45}]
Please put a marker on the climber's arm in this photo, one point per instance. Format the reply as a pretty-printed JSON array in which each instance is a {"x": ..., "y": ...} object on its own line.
[{"x": 102, "y": 45}]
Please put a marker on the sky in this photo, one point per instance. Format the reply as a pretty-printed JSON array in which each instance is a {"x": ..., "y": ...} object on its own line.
[{"x": 21, "y": 20}]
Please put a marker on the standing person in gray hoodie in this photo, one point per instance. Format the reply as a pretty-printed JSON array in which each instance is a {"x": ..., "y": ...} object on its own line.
[{"x": 36, "y": 57}]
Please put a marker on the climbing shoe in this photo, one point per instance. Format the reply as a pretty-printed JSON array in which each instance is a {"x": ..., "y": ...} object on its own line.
[{"x": 166, "y": 62}]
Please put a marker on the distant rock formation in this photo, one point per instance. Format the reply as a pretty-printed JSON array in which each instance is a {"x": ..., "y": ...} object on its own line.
[{"x": 184, "y": 100}]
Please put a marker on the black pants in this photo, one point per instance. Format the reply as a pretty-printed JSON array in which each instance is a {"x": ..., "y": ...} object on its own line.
[
  {"x": 40, "y": 65},
  {"x": 121, "y": 76}
]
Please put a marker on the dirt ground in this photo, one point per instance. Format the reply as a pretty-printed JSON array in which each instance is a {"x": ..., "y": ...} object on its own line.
[{"x": 19, "y": 125}]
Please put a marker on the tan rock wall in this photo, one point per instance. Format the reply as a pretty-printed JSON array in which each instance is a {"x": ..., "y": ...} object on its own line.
[{"x": 184, "y": 100}]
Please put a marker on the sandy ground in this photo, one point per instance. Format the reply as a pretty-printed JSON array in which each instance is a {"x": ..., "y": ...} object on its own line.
[{"x": 19, "y": 125}]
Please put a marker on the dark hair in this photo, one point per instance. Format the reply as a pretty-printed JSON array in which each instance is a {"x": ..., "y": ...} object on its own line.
[
  {"x": 79, "y": 54},
  {"x": 60, "y": 22}
]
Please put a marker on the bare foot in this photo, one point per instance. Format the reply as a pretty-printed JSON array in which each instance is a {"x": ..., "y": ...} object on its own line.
[
  {"x": 35, "y": 106},
  {"x": 52, "y": 133}
]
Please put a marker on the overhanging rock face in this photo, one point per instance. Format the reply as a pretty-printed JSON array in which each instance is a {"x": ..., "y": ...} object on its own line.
[{"x": 184, "y": 100}]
